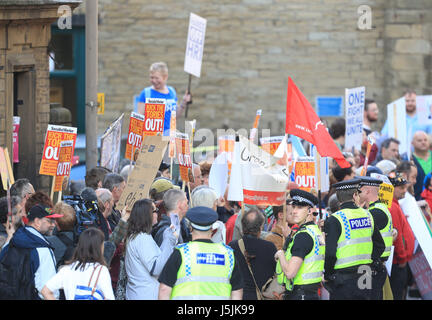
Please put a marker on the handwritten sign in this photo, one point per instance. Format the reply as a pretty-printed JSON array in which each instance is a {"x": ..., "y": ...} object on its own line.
[
  {"x": 144, "y": 172},
  {"x": 135, "y": 134},
  {"x": 195, "y": 45},
  {"x": 183, "y": 155},
  {"x": 354, "y": 104},
  {"x": 304, "y": 173},
  {"x": 50, "y": 156}
]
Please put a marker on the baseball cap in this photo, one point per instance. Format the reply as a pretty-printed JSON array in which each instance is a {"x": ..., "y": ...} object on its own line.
[
  {"x": 41, "y": 211},
  {"x": 162, "y": 185}
]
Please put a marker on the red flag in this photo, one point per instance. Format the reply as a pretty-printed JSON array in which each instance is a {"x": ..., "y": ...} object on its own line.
[{"x": 303, "y": 122}]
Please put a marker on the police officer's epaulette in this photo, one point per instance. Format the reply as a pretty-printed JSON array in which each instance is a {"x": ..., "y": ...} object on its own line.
[
  {"x": 227, "y": 246},
  {"x": 181, "y": 245}
]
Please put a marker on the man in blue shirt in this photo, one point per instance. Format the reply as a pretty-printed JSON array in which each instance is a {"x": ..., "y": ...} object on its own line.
[{"x": 159, "y": 89}]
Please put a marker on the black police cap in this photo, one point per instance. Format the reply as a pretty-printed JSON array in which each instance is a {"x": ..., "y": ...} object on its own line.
[
  {"x": 201, "y": 218},
  {"x": 347, "y": 184},
  {"x": 369, "y": 181},
  {"x": 303, "y": 198}
]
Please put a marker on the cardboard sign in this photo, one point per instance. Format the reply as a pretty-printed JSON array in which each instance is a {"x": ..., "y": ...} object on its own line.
[
  {"x": 195, "y": 45},
  {"x": 154, "y": 115},
  {"x": 144, "y": 171},
  {"x": 15, "y": 137},
  {"x": 271, "y": 144},
  {"x": 110, "y": 145},
  {"x": 422, "y": 273},
  {"x": 9, "y": 166},
  {"x": 183, "y": 155},
  {"x": 354, "y": 107},
  {"x": 135, "y": 134},
  {"x": 304, "y": 173},
  {"x": 50, "y": 156},
  {"x": 3, "y": 170}
]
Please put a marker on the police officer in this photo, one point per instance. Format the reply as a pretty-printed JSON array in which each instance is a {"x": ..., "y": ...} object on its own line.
[
  {"x": 369, "y": 188},
  {"x": 201, "y": 269},
  {"x": 350, "y": 233},
  {"x": 300, "y": 268}
]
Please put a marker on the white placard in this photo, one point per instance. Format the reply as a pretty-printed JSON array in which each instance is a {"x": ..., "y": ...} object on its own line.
[
  {"x": 195, "y": 45},
  {"x": 218, "y": 176},
  {"x": 396, "y": 121},
  {"x": 354, "y": 107},
  {"x": 424, "y": 110},
  {"x": 418, "y": 224},
  {"x": 389, "y": 262}
]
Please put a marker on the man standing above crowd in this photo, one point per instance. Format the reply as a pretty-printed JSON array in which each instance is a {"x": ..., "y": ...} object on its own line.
[
  {"x": 412, "y": 118},
  {"x": 370, "y": 115},
  {"x": 352, "y": 241}
]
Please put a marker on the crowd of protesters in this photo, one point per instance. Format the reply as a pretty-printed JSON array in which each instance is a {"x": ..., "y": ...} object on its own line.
[{"x": 129, "y": 254}]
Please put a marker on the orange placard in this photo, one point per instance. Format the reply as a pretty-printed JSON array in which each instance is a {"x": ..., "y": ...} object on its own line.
[
  {"x": 65, "y": 158},
  {"x": 304, "y": 173},
  {"x": 58, "y": 183},
  {"x": 172, "y": 134},
  {"x": 270, "y": 144},
  {"x": 135, "y": 135},
  {"x": 183, "y": 155},
  {"x": 50, "y": 157},
  {"x": 154, "y": 115}
]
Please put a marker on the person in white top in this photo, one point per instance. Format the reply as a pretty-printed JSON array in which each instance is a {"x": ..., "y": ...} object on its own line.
[
  {"x": 86, "y": 276},
  {"x": 144, "y": 259}
]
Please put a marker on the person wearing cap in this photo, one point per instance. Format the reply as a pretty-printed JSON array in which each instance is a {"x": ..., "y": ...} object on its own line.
[
  {"x": 369, "y": 188},
  {"x": 40, "y": 223},
  {"x": 301, "y": 267},
  {"x": 404, "y": 243},
  {"x": 351, "y": 246},
  {"x": 201, "y": 269}
]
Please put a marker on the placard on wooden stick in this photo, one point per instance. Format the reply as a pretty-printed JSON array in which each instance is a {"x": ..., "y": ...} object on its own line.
[{"x": 144, "y": 171}]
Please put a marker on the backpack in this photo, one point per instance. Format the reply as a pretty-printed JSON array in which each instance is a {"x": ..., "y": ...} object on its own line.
[
  {"x": 86, "y": 213},
  {"x": 16, "y": 275}
]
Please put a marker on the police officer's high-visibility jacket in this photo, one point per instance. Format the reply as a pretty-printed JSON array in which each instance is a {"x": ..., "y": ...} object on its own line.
[
  {"x": 354, "y": 246},
  {"x": 205, "y": 272},
  {"x": 386, "y": 232},
  {"x": 312, "y": 267}
]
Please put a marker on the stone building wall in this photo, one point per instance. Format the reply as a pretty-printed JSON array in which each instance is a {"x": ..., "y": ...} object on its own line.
[{"x": 251, "y": 48}]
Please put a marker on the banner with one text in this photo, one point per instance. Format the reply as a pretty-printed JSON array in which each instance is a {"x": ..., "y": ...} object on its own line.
[{"x": 354, "y": 106}]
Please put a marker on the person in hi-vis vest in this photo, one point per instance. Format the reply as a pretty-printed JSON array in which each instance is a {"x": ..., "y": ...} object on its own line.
[
  {"x": 201, "y": 269},
  {"x": 352, "y": 243},
  {"x": 300, "y": 268},
  {"x": 369, "y": 188}
]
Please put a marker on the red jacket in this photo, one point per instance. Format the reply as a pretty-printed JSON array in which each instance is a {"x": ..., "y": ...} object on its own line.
[
  {"x": 427, "y": 195},
  {"x": 229, "y": 225},
  {"x": 404, "y": 244}
]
